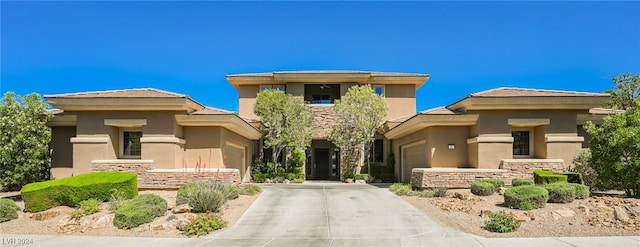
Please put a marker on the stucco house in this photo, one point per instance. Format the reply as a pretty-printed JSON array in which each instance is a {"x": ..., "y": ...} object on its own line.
[{"x": 501, "y": 133}]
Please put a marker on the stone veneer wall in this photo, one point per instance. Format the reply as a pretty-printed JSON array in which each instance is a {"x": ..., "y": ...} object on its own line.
[
  {"x": 463, "y": 177},
  {"x": 324, "y": 118},
  {"x": 149, "y": 178}
]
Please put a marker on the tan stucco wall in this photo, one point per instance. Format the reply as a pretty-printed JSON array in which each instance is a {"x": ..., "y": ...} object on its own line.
[
  {"x": 247, "y": 100},
  {"x": 565, "y": 151},
  {"x": 439, "y": 154},
  {"x": 232, "y": 138},
  {"x": 401, "y": 100},
  {"x": 397, "y": 145},
  {"x": 62, "y": 151},
  {"x": 295, "y": 88},
  {"x": 539, "y": 142},
  {"x": 203, "y": 144},
  {"x": 91, "y": 124},
  {"x": 562, "y": 123}
]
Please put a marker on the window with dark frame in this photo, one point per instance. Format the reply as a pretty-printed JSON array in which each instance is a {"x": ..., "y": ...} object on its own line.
[
  {"x": 521, "y": 143},
  {"x": 131, "y": 147}
]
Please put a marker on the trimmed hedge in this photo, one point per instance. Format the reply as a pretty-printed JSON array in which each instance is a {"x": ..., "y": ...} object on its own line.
[
  {"x": 139, "y": 210},
  {"x": 574, "y": 177},
  {"x": 520, "y": 182},
  {"x": 582, "y": 191},
  {"x": 72, "y": 190},
  {"x": 560, "y": 192},
  {"x": 526, "y": 197},
  {"x": 482, "y": 188},
  {"x": 497, "y": 183},
  {"x": 548, "y": 177},
  {"x": 8, "y": 210}
]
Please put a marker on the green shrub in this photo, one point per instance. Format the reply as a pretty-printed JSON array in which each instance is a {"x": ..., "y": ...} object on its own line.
[
  {"x": 250, "y": 189},
  {"x": 140, "y": 210},
  {"x": 440, "y": 192},
  {"x": 361, "y": 176},
  {"x": 560, "y": 192},
  {"x": 574, "y": 177},
  {"x": 298, "y": 181},
  {"x": 297, "y": 157},
  {"x": 501, "y": 222},
  {"x": 424, "y": 193},
  {"x": 72, "y": 190},
  {"x": 526, "y": 197},
  {"x": 482, "y": 188},
  {"x": 8, "y": 210},
  {"x": 204, "y": 224},
  {"x": 259, "y": 178},
  {"x": 548, "y": 177},
  {"x": 117, "y": 199},
  {"x": 400, "y": 189},
  {"x": 582, "y": 191},
  {"x": 205, "y": 196},
  {"x": 86, "y": 207},
  {"x": 519, "y": 182},
  {"x": 497, "y": 183},
  {"x": 581, "y": 165}
]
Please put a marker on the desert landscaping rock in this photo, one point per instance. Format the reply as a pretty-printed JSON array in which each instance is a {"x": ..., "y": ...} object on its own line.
[
  {"x": 591, "y": 217},
  {"x": 181, "y": 209},
  {"x": 620, "y": 213}
]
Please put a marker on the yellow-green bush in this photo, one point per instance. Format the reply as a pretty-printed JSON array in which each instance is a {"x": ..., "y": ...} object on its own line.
[
  {"x": 8, "y": 210},
  {"x": 526, "y": 197},
  {"x": 72, "y": 190}
]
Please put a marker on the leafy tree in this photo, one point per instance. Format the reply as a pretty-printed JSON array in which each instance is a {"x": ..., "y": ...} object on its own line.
[
  {"x": 286, "y": 121},
  {"x": 360, "y": 113},
  {"x": 626, "y": 93},
  {"x": 615, "y": 151},
  {"x": 24, "y": 142}
]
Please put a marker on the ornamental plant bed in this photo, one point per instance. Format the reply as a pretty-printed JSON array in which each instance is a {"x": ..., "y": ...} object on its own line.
[
  {"x": 554, "y": 220},
  {"x": 57, "y": 221}
]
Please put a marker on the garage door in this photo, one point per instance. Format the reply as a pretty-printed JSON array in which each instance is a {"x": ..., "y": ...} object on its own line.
[
  {"x": 413, "y": 155},
  {"x": 235, "y": 157}
]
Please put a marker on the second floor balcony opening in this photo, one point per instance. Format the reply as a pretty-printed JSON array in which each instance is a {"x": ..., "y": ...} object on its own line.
[{"x": 321, "y": 93}]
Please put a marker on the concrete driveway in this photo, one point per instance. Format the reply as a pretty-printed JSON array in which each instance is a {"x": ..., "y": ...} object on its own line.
[{"x": 334, "y": 214}]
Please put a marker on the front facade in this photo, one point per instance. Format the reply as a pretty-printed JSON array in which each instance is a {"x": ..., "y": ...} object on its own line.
[{"x": 494, "y": 131}]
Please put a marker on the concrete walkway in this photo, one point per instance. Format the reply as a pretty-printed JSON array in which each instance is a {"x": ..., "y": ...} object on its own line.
[{"x": 328, "y": 214}]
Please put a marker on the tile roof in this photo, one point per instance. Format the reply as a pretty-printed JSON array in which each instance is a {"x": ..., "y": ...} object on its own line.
[
  {"x": 529, "y": 92},
  {"x": 373, "y": 73},
  {"x": 123, "y": 93},
  {"x": 211, "y": 111},
  {"x": 438, "y": 111}
]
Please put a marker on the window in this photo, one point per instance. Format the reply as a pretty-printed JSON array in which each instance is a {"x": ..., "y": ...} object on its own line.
[
  {"x": 376, "y": 153},
  {"x": 379, "y": 90},
  {"x": 131, "y": 147},
  {"x": 321, "y": 99},
  {"x": 522, "y": 143},
  {"x": 279, "y": 87}
]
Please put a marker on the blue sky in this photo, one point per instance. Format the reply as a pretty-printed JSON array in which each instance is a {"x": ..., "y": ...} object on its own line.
[{"x": 61, "y": 47}]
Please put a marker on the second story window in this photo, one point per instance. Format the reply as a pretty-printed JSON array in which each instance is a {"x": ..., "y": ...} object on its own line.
[
  {"x": 379, "y": 89},
  {"x": 321, "y": 93},
  {"x": 279, "y": 87}
]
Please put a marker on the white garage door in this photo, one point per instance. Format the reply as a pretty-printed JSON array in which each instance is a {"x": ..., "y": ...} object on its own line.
[{"x": 413, "y": 155}]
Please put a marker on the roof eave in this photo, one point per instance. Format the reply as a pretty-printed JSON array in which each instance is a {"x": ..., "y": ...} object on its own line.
[
  {"x": 529, "y": 103},
  {"x": 422, "y": 121},
  {"x": 229, "y": 121}
]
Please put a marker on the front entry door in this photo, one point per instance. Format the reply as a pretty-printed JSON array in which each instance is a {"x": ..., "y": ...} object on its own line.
[{"x": 322, "y": 163}]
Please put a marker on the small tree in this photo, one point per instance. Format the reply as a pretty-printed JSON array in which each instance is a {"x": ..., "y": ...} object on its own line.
[
  {"x": 24, "y": 141},
  {"x": 626, "y": 92},
  {"x": 615, "y": 151},
  {"x": 286, "y": 121},
  {"x": 360, "y": 113}
]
